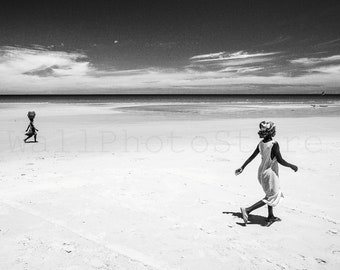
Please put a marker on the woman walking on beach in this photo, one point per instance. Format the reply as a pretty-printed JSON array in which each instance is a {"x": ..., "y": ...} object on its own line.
[
  {"x": 268, "y": 173},
  {"x": 31, "y": 129}
]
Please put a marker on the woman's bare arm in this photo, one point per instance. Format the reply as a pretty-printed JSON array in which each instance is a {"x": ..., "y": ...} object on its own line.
[
  {"x": 276, "y": 153},
  {"x": 253, "y": 155},
  {"x": 250, "y": 159}
]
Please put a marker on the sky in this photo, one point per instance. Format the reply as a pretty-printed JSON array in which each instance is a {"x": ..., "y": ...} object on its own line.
[{"x": 178, "y": 46}]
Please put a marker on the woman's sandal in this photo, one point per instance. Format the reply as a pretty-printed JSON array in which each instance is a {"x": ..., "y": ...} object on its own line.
[{"x": 244, "y": 215}]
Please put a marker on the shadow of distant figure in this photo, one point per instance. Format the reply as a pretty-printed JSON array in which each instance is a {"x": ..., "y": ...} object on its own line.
[{"x": 252, "y": 219}]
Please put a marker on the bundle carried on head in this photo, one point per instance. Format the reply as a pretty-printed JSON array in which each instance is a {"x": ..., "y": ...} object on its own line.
[
  {"x": 267, "y": 128},
  {"x": 31, "y": 115}
]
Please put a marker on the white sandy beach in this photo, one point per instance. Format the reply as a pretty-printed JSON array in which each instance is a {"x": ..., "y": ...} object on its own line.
[{"x": 134, "y": 186}]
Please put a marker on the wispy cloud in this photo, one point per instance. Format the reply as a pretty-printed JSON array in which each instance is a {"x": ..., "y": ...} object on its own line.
[
  {"x": 237, "y": 62},
  {"x": 208, "y": 56},
  {"x": 39, "y": 70},
  {"x": 242, "y": 69},
  {"x": 41, "y": 62},
  {"x": 316, "y": 60},
  {"x": 330, "y": 43},
  {"x": 331, "y": 69},
  {"x": 223, "y": 56}
]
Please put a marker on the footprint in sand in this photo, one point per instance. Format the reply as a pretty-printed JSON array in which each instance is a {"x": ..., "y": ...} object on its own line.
[
  {"x": 207, "y": 230},
  {"x": 321, "y": 261},
  {"x": 302, "y": 256},
  {"x": 332, "y": 231},
  {"x": 68, "y": 247}
]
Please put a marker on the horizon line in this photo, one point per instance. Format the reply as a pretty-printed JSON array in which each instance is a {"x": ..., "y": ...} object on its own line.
[{"x": 169, "y": 94}]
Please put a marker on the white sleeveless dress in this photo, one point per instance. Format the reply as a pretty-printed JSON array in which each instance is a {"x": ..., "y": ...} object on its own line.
[{"x": 268, "y": 174}]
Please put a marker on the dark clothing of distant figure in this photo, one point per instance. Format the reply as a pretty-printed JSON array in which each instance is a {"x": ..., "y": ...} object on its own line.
[{"x": 31, "y": 131}]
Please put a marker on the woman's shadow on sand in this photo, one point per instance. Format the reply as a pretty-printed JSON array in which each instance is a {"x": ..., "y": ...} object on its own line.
[{"x": 252, "y": 219}]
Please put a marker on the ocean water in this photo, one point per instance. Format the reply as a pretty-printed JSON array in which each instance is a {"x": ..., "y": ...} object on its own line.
[
  {"x": 205, "y": 106},
  {"x": 260, "y": 99}
]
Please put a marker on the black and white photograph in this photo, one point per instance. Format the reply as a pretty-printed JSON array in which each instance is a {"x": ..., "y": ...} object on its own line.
[{"x": 169, "y": 135}]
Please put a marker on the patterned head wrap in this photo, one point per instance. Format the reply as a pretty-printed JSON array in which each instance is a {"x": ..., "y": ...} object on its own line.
[{"x": 267, "y": 128}]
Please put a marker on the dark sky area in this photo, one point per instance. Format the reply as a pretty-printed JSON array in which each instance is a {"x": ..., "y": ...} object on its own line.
[{"x": 166, "y": 34}]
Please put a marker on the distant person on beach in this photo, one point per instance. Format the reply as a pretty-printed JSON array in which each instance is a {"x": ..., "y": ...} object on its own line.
[
  {"x": 268, "y": 172},
  {"x": 31, "y": 129}
]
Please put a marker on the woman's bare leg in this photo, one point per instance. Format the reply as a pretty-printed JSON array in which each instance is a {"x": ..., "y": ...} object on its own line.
[
  {"x": 246, "y": 211},
  {"x": 255, "y": 206},
  {"x": 29, "y": 136},
  {"x": 270, "y": 212}
]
